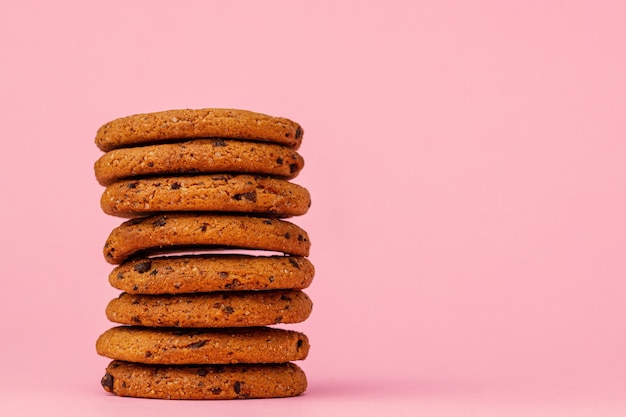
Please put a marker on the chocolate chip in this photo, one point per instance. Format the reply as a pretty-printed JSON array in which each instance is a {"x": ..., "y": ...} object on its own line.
[
  {"x": 293, "y": 168},
  {"x": 237, "y": 387},
  {"x": 300, "y": 238},
  {"x": 132, "y": 185},
  {"x": 107, "y": 382},
  {"x": 219, "y": 143},
  {"x": 135, "y": 302},
  {"x": 150, "y": 164},
  {"x": 278, "y": 319},
  {"x": 160, "y": 222},
  {"x": 148, "y": 354},
  {"x": 175, "y": 186},
  {"x": 234, "y": 284},
  {"x": 229, "y": 310},
  {"x": 136, "y": 319},
  {"x": 299, "y": 344},
  {"x": 216, "y": 390},
  {"x": 120, "y": 275},
  {"x": 143, "y": 267},
  {"x": 287, "y": 235},
  {"x": 202, "y": 372},
  {"x": 251, "y": 196},
  {"x": 271, "y": 278},
  {"x": 223, "y": 274},
  {"x": 285, "y": 298},
  {"x": 279, "y": 161},
  {"x": 204, "y": 227},
  {"x": 153, "y": 273},
  {"x": 197, "y": 345},
  {"x": 135, "y": 287},
  {"x": 299, "y": 132},
  {"x": 293, "y": 261},
  {"x": 267, "y": 221}
]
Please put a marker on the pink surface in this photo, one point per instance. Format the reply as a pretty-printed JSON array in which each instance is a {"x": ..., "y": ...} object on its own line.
[{"x": 467, "y": 162}]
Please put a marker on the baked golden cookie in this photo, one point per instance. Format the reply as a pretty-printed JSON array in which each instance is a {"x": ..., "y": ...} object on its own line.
[
  {"x": 203, "y": 123},
  {"x": 208, "y": 273},
  {"x": 168, "y": 346},
  {"x": 166, "y": 233},
  {"x": 199, "y": 156},
  {"x": 208, "y": 193},
  {"x": 219, "y": 382},
  {"x": 215, "y": 309}
]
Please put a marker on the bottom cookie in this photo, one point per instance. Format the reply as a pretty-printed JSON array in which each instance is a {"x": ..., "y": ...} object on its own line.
[{"x": 223, "y": 382}]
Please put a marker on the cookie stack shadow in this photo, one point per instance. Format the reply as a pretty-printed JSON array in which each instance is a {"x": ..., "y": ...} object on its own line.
[{"x": 209, "y": 267}]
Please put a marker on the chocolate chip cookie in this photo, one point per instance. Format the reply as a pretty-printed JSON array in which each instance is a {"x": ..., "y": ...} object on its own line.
[
  {"x": 209, "y": 193},
  {"x": 200, "y": 156},
  {"x": 172, "y": 231},
  {"x": 215, "y": 309},
  {"x": 202, "y": 123},
  {"x": 208, "y": 273},
  {"x": 204, "y": 382},
  {"x": 168, "y": 346}
]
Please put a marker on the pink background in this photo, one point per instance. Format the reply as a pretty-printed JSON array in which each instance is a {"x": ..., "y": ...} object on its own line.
[{"x": 467, "y": 162}]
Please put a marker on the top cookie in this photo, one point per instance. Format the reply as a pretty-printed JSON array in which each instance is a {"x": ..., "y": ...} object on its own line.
[{"x": 204, "y": 123}]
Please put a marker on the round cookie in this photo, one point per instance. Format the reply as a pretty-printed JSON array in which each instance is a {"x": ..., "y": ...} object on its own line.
[
  {"x": 199, "y": 156},
  {"x": 217, "y": 382},
  {"x": 204, "y": 346},
  {"x": 215, "y": 193},
  {"x": 208, "y": 273},
  {"x": 202, "y": 123},
  {"x": 166, "y": 233},
  {"x": 217, "y": 309}
]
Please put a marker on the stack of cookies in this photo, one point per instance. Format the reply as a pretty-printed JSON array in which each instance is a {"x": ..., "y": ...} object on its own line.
[{"x": 207, "y": 263}]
